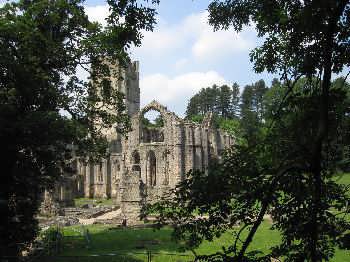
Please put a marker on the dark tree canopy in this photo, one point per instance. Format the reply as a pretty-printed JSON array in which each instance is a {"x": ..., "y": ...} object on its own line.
[
  {"x": 220, "y": 100},
  {"x": 271, "y": 176},
  {"x": 239, "y": 114},
  {"x": 301, "y": 37},
  {"x": 45, "y": 108},
  {"x": 300, "y": 144}
]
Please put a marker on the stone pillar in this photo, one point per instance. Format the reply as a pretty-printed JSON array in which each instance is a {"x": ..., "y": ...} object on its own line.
[
  {"x": 198, "y": 148},
  {"x": 87, "y": 180},
  {"x": 206, "y": 149},
  {"x": 105, "y": 178},
  {"x": 179, "y": 154},
  {"x": 132, "y": 199}
]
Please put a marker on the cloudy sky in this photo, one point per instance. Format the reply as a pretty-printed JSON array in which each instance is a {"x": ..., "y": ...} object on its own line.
[{"x": 183, "y": 54}]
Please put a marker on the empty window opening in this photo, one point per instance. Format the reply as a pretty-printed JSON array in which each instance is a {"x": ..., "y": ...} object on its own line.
[{"x": 152, "y": 127}]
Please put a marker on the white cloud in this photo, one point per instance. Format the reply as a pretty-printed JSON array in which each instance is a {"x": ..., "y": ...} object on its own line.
[
  {"x": 165, "y": 38},
  {"x": 194, "y": 33},
  {"x": 211, "y": 44},
  {"x": 97, "y": 13},
  {"x": 175, "y": 92},
  {"x": 191, "y": 33}
]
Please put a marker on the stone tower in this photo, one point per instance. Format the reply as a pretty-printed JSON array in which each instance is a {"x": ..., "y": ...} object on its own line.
[
  {"x": 132, "y": 92},
  {"x": 128, "y": 84}
]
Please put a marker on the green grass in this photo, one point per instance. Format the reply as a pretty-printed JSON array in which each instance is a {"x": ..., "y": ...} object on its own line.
[
  {"x": 78, "y": 202},
  {"x": 132, "y": 243},
  {"x": 343, "y": 178}
]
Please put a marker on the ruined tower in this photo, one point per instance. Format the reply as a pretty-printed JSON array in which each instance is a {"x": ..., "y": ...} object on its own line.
[{"x": 127, "y": 82}]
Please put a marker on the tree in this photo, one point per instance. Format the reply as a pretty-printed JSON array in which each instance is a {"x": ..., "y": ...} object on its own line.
[
  {"x": 259, "y": 92},
  {"x": 288, "y": 171},
  {"x": 235, "y": 100},
  {"x": 45, "y": 107},
  {"x": 269, "y": 176},
  {"x": 302, "y": 38},
  {"x": 252, "y": 109},
  {"x": 221, "y": 100},
  {"x": 224, "y": 107}
]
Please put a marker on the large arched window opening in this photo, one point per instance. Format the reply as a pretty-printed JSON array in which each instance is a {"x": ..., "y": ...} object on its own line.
[
  {"x": 151, "y": 168},
  {"x": 152, "y": 124}
]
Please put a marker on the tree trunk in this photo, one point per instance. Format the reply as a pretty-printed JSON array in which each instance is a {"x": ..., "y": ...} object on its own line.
[{"x": 321, "y": 138}]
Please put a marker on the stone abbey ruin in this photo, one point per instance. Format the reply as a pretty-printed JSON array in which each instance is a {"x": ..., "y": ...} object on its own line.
[{"x": 148, "y": 161}]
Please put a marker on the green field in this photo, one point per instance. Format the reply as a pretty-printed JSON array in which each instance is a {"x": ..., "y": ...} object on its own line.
[
  {"x": 78, "y": 202},
  {"x": 132, "y": 244},
  {"x": 343, "y": 178}
]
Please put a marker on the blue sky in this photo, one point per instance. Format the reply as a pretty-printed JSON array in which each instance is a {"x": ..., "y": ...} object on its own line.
[{"x": 183, "y": 54}]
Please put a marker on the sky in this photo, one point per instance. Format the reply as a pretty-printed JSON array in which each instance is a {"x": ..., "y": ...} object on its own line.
[{"x": 183, "y": 54}]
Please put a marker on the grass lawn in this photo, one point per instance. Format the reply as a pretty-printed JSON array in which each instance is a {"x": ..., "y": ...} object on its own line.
[
  {"x": 343, "y": 178},
  {"x": 78, "y": 202},
  {"x": 131, "y": 244}
]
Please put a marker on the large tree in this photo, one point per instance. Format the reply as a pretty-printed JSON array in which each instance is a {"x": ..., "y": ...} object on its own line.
[
  {"x": 252, "y": 109},
  {"x": 235, "y": 100},
  {"x": 45, "y": 107},
  {"x": 288, "y": 171},
  {"x": 302, "y": 38},
  {"x": 221, "y": 100}
]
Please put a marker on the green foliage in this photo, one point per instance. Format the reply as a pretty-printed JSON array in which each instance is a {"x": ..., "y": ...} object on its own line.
[
  {"x": 51, "y": 239},
  {"x": 231, "y": 126},
  {"x": 222, "y": 101},
  {"x": 158, "y": 122},
  {"x": 304, "y": 142},
  {"x": 271, "y": 176},
  {"x": 45, "y": 109},
  {"x": 252, "y": 110},
  {"x": 197, "y": 118},
  {"x": 240, "y": 115}
]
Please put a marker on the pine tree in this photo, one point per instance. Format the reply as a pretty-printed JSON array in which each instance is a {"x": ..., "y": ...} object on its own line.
[{"x": 235, "y": 108}]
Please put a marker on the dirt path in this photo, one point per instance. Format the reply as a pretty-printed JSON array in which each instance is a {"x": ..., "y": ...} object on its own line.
[{"x": 106, "y": 216}]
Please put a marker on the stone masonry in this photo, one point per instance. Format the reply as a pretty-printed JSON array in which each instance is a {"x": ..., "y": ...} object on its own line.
[{"x": 148, "y": 161}]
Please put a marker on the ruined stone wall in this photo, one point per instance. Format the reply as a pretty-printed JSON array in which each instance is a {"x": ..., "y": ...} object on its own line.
[
  {"x": 160, "y": 157},
  {"x": 147, "y": 163},
  {"x": 160, "y": 164}
]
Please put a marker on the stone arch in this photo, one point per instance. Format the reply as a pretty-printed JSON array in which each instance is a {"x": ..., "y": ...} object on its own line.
[
  {"x": 151, "y": 169},
  {"x": 152, "y": 132},
  {"x": 154, "y": 105}
]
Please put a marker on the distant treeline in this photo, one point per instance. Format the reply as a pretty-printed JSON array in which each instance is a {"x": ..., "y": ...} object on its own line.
[
  {"x": 229, "y": 105},
  {"x": 246, "y": 112}
]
